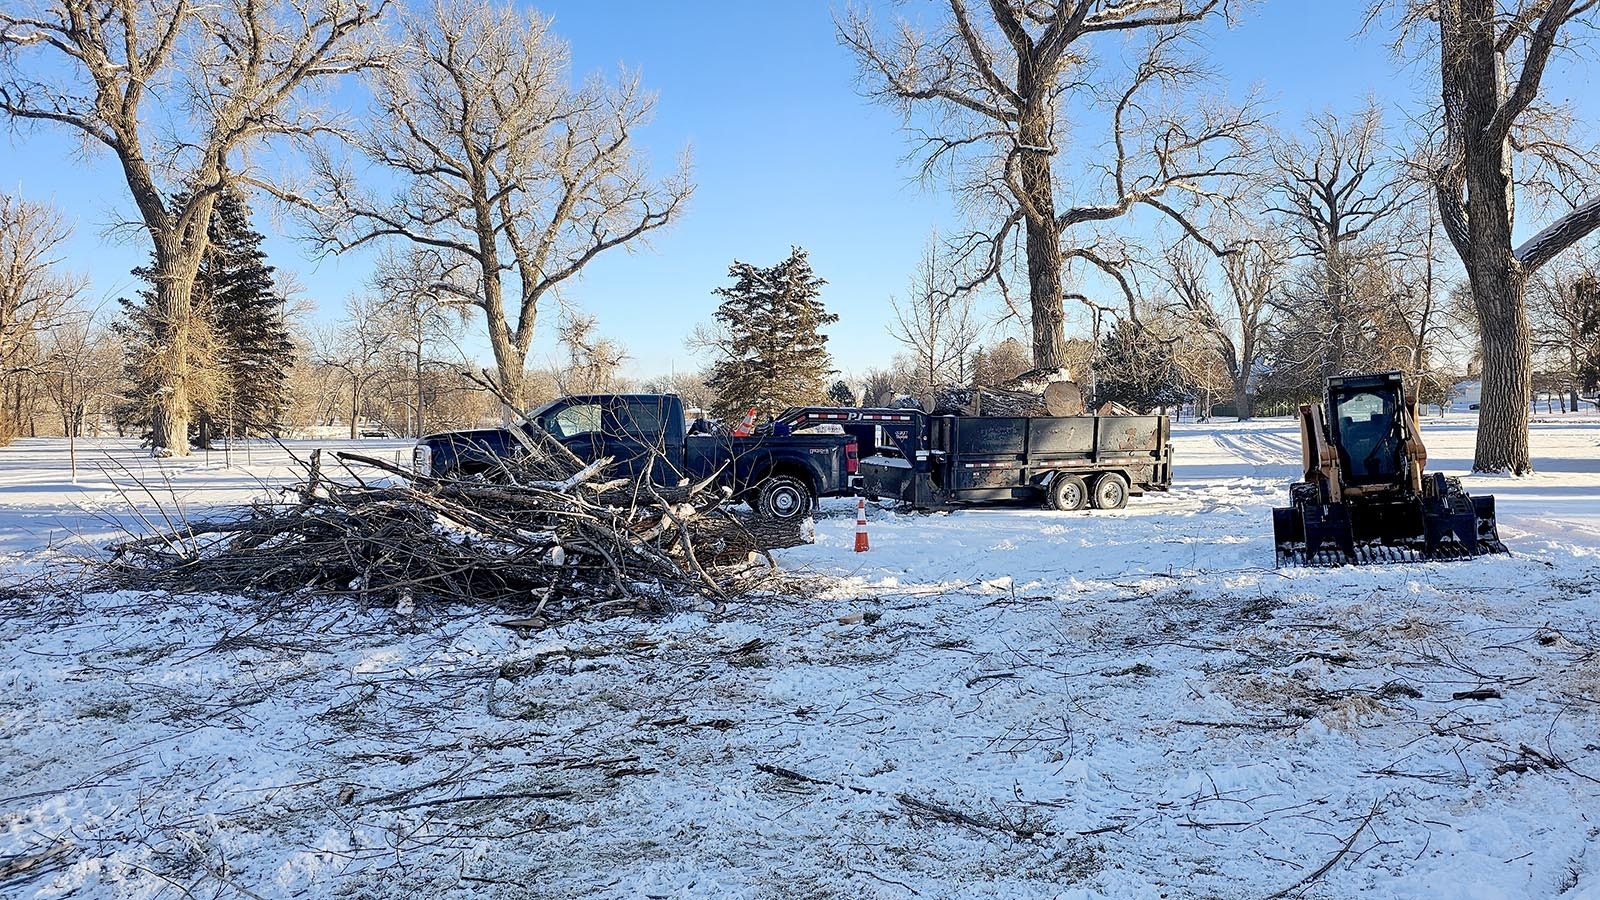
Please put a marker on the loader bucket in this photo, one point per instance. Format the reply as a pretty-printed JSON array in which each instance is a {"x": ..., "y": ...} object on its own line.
[
  {"x": 1314, "y": 535},
  {"x": 1488, "y": 528},
  {"x": 1287, "y": 534},
  {"x": 1426, "y": 529}
]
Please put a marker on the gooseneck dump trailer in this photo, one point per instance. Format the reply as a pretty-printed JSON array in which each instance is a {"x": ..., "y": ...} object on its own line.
[{"x": 1069, "y": 462}]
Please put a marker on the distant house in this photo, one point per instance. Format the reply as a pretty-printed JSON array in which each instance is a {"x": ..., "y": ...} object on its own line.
[{"x": 1466, "y": 394}]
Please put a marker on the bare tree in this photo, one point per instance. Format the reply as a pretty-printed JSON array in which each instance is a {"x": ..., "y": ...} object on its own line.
[
  {"x": 356, "y": 350},
  {"x": 1337, "y": 192},
  {"x": 592, "y": 361},
  {"x": 78, "y": 354},
  {"x": 33, "y": 294},
  {"x": 421, "y": 317},
  {"x": 1564, "y": 307},
  {"x": 937, "y": 326},
  {"x": 1419, "y": 303},
  {"x": 178, "y": 91},
  {"x": 1233, "y": 326},
  {"x": 502, "y": 164},
  {"x": 998, "y": 89},
  {"x": 1007, "y": 359},
  {"x": 1495, "y": 136}
]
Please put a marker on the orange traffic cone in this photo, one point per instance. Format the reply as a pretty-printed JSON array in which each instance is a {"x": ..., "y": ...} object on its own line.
[
  {"x": 861, "y": 525},
  {"x": 748, "y": 426}
]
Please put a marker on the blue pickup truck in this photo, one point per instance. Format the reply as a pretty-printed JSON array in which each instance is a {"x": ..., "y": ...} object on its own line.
[{"x": 780, "y": 475}]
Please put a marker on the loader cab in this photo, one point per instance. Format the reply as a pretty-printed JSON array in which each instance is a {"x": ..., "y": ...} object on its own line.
[{"x": 1365, "y": 415}]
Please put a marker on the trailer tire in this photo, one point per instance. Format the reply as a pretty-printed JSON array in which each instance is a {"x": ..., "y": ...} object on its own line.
[
  {"x": 783, "y": 497},
  {"x": 1067, "y": 493},
  {"x": 1110, "y": 491}
]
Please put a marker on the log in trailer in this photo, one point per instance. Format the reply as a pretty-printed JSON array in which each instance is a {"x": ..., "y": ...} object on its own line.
[{"x": 937, "y": 462}]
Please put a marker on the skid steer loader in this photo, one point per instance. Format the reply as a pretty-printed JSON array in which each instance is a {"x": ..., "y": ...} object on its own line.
[{"x": 1364, "y": 498}]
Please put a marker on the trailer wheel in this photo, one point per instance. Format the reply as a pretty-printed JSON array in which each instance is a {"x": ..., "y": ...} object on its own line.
[
  {"x": 1068, "y": 493},
  {"x": 1110, "y": 491},
  {"x": 783, "y": 497}
]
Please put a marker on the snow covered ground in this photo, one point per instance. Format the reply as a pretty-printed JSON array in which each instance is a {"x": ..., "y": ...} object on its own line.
[{"x": 994, "y": 703}]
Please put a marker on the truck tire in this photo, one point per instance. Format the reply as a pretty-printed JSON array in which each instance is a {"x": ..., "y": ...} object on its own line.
[
  {"x": 1110, "y": 491},
  {"x": 1068, "y": 493},
  {"x": 783, "y": 497}
]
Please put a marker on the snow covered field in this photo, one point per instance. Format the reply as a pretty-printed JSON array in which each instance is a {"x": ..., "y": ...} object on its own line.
[{"x": 991, "y": 703}]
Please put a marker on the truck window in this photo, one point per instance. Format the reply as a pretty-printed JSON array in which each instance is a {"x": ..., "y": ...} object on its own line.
[
  {"x": 580, "y": 418},
  {"x": 645, "y": 418}
]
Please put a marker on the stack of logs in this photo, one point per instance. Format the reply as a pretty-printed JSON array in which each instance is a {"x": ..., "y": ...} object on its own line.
[
  {"x": 546, "y": 535},
  {"x": 1037, "y": 392}
]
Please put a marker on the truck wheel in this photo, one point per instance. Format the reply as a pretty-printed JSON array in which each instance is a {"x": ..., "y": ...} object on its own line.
[
  {"x": 1068, "y": 493},
  {"x": 783, "y": 497},
  {"x": 1110, "y": 491}
]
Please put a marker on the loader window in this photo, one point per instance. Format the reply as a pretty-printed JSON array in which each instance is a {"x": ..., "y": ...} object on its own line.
[{"x": 1368, "y": 443}]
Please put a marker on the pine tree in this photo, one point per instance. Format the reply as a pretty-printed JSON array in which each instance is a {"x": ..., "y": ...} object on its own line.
[
  {"x": 241, "y": 349},
  {"x": 1137, "y": 370},
  {"x": 254, "y": 348},
  {"x": 773, "y": 352},
  {"x": 840, "y": 394}
]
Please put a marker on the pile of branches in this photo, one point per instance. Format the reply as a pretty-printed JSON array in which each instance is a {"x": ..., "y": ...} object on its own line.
[{"x": 546, "y": 535}]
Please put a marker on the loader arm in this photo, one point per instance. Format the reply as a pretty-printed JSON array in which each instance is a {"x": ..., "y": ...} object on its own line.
[{"x": 1319, "y": 460}]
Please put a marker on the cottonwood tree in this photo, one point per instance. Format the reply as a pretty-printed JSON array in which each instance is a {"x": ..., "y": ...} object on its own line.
[
  {"x": 1497, "y": 134},
  {"x": 937, "y": 326},
  {"x": 994, "y": 93},
  {"x": 1231, "y": 326},
  {"x": 179, "y": 92},
  {"x": 498, "y": 159},
  {"x": 1339, "y": 194},
  {"x": 34, "y": 293}
]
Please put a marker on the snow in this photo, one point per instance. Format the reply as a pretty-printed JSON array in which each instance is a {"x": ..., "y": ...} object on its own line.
[{"x": 1125, "y": 704}]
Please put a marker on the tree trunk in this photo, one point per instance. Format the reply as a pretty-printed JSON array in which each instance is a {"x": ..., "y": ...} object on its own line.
[
  {"x": 180, "y": 246},
  {"x": 510, "y": 355},
  {"x": 1241, "y": 398},
  {"x": 1504, "y": 410},
  {"x": 1043, "y": 240},
  {"x": 172, "y": 348}
]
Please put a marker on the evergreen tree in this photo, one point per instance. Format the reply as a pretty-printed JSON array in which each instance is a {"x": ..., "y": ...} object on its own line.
[
  {"x": 254, "y": 350},
  {"x": 241, "y": 349},
  {"x": 839, "y": 394},
  {"x": 773, "y": 352},
  {"x": 1137, "y": 370}
]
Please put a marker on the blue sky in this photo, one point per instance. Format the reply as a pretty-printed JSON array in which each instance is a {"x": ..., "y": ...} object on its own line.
[{"x": 786, "y": 152}]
